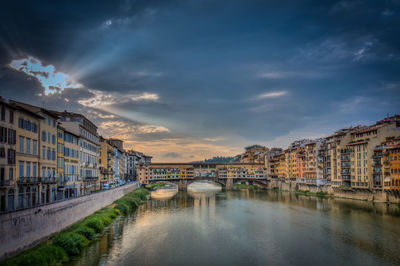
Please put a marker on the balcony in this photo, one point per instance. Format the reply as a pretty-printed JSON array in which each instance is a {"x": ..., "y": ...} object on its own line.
[
  {"x": 49, "y": 180},
  {"x": 90, "y": 178},
  {"x": 5, "y": 183},
  {"x": 28, "y": 180}
]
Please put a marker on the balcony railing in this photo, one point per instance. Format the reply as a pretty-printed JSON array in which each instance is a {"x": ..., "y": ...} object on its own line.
[
  {"x": 5, "y": 183},
  {"x": 28, "y": 180},
  {"x": 90, "y": 178}
]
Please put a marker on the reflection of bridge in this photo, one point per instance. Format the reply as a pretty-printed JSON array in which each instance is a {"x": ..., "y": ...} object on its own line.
[{"x": 224, "y": 182}]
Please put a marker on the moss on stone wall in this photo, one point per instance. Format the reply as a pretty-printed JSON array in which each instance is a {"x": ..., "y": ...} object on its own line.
[{"x": 72, "y": 240}]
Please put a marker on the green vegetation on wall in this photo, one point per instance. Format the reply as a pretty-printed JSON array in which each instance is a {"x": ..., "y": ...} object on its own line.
[{"x": 71, "y": 241}]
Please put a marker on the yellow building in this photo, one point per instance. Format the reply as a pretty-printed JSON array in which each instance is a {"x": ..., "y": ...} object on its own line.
[
  {"x": 60, "y": 162},
  {"x": 336, "y": 144},
  {"x": 106, "y": 162},
  {"x": 254, "y": 154},
  {"x": 391, "y": 161},
  {"x": 29, "y": 185},
  {"x": 73, "y": 185},
  {"x": 281, "y": 168}
]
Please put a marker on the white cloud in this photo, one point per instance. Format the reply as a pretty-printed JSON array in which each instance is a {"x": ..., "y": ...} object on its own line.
[
  {"x": 51, "y": 80},
  {"x": 145, "y": 97},
  {"x": 268, "y": 95},
  {"x": 120, "y": 127},
  {"x": 147, "y": 74},
  {"x": 101, "y": 99}
]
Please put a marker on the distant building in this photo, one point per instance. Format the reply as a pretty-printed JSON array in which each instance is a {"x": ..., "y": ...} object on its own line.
[{"x": 89, "y": 148}]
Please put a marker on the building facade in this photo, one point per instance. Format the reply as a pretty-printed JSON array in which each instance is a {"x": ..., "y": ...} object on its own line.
[{"x": 7, "y": 156}]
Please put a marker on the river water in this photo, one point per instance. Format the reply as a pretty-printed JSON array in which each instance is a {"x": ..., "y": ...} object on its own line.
[{"x": 251, "y": 228}]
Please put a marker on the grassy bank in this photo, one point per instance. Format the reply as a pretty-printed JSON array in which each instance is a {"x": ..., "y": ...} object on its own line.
[
  {"x": 245, "y": 186},
  {"x": 72, "y": 240},
  {"x": 155, "y": 185},
  {"x": 308, "y": 193}
]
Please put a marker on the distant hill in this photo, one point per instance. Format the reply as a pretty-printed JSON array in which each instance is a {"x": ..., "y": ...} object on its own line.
[{"x": 218, "y": 159}]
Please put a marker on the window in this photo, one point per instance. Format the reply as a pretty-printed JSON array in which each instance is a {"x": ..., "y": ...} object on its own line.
[
  {"x": 11, "y": 112},
  {"x": 28, "y": 169},
  {"x": 28, "y": 146},
  {"x": 48, "y": 137},
  {"x": 43, "y": 172},
  {"x": 53, "y": 139},
  {"x": 54, "y": 123},
  {"x": 34, "y": 147},
  {"x": 34, "y": 127},
  {"x": 11, "y": 173},
  {"x": 43, "y": 152},
  {"x": 2, "y": 152},
  {"x": 21, "y": 168},
  {"x": 11, "y": 136},
  {"x": 43, "y": 135},
  {"x": 21, "y": 122},
  {"x": 28, "y": 125},
  {"x": 3, "y": 134},
  {"x": 3, "y": 113},
  {"x": 34, "y": 169},
  {"x": 21, "y": 144},
  {"x": 11, "y": 156},
  {"x": 48, "y": 121},
  {"x": 48, "y": 154},
  {"x": 53, "y": 155}
]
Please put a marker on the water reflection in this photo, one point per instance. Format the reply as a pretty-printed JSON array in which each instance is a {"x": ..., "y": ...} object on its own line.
[
  {"x": 165, "y": 192},
  {"x": 250, "y": 228}
]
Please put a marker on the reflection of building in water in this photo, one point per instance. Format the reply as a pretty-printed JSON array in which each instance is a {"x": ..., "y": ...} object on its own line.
[{"x": 204, "y": 204}]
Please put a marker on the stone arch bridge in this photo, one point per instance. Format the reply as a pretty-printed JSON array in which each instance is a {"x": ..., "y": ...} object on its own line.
[{"x": 227, "y": 183}]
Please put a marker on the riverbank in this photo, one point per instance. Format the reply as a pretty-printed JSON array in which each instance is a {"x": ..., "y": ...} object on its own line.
[{"x": 71, "y": 241}]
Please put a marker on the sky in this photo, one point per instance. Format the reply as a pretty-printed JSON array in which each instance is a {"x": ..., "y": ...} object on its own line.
[{"x": 189, "y": 80}]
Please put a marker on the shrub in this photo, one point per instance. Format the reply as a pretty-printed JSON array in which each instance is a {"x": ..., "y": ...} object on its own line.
[
  {"x": 117, "y": 212},
  {"x": 72, "y": 243},
  {"x": 95, "y": 223},
  {"x": 122, "y": 207},
  {"x": 87, "y": 232},
  {"x": 46, "y": 254}
]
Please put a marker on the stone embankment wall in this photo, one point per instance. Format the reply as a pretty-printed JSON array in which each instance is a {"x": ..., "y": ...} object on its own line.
[
  {"x": 25, "y": 228},
  {"x": 365, "y": 195}
]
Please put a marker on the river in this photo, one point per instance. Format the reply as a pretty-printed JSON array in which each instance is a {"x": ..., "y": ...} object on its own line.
[{"x": 251, "y": 228}]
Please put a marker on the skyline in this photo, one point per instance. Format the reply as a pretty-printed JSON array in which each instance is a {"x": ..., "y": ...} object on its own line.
[{"x": 189, "y": 81}]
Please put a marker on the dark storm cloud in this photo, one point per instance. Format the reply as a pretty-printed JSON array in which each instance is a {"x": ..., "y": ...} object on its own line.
[{"x": 247, "y": 71}]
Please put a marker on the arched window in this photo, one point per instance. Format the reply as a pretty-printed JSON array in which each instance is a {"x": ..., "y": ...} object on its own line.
[
  {"x": 28, "y": 197},
  {"x": 11, "y": 199},
  {"x": 20, "y": 198}
]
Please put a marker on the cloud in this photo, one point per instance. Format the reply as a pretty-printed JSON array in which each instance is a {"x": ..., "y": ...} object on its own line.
[
  {"x": 213, "y": 139},
  {"x": 292, "y": 74},
  {"x": 145, "y": 97},
  {"x": 118, "y": 127},
  {"x": 388, "y": 13},
  {"x": 51, "y": 80},
  {"x": 268, "y": 95},
  {"x": 171, "y": 155},
  {"x": 362, "y": 53},
  {"x": 147, "y": 74},
  {"x": 99, "y": 99}
]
